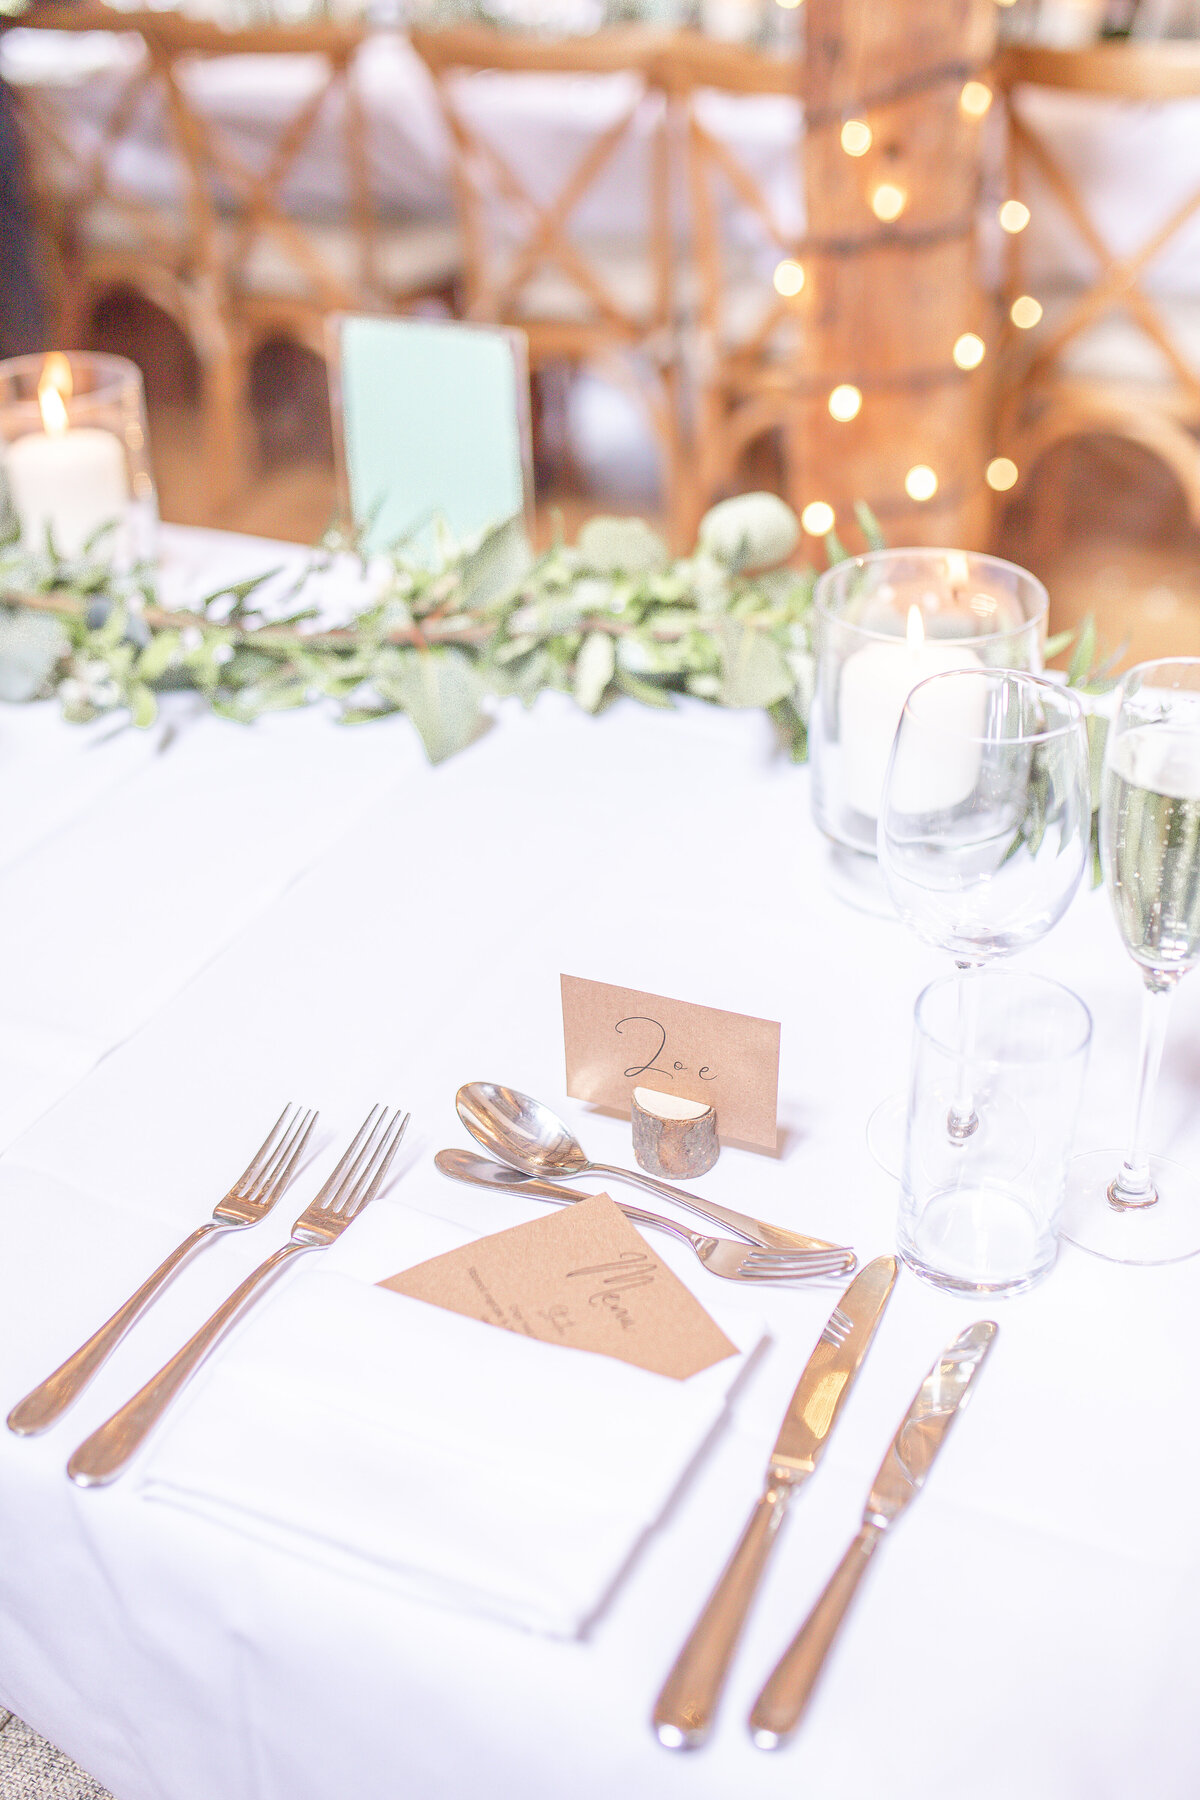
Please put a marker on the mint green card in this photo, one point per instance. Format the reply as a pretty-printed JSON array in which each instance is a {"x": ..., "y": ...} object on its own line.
[{"x": 432, "y": 418}]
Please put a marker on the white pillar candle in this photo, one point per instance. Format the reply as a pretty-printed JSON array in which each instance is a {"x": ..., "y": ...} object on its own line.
[
  {"x": 876, "y": 681},
  {"x": 72, "y": 478}
]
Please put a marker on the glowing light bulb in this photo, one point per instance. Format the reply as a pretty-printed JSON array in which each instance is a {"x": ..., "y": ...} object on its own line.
[
  {"x": 856, "y": 137},
  {"x": 1001, "y": 474},
  {"x": 817, "y": 518},
  {"x": 888, "y": 201},
  {"x": 969, "y": 350},
  {"x": 788, "y": 278},
  {"x": 975, "y": 99},
  {"x": 845, "y": 402},
  {"x": 1025, "y": 312},
  {"x": 790, "y": 5},
  {"x": 920, "y": 483},
  {"x": 1014, "y": 216}
]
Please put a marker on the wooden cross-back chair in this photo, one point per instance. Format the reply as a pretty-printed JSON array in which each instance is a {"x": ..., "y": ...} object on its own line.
[
  {"x": 529, "y": 261},
  {"x": 230, "y": 253},
  {"x": 745, "y": 339},
  {"x": 1063, "y": 378}
]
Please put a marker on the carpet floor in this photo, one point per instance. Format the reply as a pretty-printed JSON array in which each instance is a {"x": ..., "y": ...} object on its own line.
[{"x": 32, "y": 1769}]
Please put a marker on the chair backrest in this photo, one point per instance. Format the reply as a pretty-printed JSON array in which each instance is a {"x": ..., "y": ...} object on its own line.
[
  {"x": 1160, "y": 207},
  {"x": 431, "y": 421},
  {"x": 740, "y": 120},
  {"x": 235, "y": 200},
  {"x": 522, "y": 224}
]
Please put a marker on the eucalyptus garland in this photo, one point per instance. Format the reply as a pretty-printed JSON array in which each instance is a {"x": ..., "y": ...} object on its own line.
[
  {"x": 435, "y": 639},
  {"x": 611, "y": 614}
]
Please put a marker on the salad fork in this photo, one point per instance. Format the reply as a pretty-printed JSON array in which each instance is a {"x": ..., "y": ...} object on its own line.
[
  {"x": 250, "y": 1199},
  {"x": 353, "y": 1184}
]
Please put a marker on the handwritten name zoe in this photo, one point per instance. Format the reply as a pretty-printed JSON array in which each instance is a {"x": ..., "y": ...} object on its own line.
[{"x": 705, "y": 1073}]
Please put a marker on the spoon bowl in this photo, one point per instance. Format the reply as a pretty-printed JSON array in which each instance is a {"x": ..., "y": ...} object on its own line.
[{"x": 519, "y": 1130}]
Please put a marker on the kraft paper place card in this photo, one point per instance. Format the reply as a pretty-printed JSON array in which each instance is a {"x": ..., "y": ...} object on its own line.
[
  {"x": 581, "y": 1277},
  {"x": 617, "y": 1039}
]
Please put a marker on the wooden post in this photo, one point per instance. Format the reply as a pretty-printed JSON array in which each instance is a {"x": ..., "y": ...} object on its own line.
[{"x": 885, "y": 302}]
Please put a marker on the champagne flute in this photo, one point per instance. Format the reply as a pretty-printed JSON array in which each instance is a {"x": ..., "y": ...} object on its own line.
[
  {"x": 1132, "y": 1207},
  {"x": 984, "y": 832}
]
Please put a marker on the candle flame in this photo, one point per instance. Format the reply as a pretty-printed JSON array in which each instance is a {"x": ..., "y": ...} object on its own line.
[
  {"x": 958, "y": 569},
  {"x": 915, "y": 630},
  {"x": 55, "y": 382}
]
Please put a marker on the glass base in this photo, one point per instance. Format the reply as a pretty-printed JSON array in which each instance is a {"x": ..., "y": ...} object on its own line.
[
  {"x": 1000, "y": 1122},
  {"x": 885, "y": 1133},
  {"x": 1165, "y": 1232},
  {"x": 854, "y": 877},
  {"x": 977, "y": 1240}
]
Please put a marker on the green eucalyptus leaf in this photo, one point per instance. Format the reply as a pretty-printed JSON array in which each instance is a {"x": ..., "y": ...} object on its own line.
[
  {"x": 492, "y": 570},
  {"x": 32, "y": 644},
  {"x": 609, "y": 546},
  {"x": 648, "y": 692},
  {"x": 869, "y": 525},
  {"x": 752, "y": 531},
  {"x": 143, "y": 707},
  {"x": 1097, "y": 732},
  {"x": 158, "y": 655},
  {"x": 755, "y": 670},
  {"x": 594, "y": 669},
  {"x": 441, "y": 693},
  {"x": 1084, "y": 654}
]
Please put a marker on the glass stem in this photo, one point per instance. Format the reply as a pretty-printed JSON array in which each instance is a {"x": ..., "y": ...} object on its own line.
[
  {"x": 962, "y": 1121},
  {"x": 1133, "y": 1185}
]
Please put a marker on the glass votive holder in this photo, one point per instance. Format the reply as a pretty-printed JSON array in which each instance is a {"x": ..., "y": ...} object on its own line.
[
  {"x": 883, "y": 622},
  {"x": 75, "y": 455},
  {"x": 997, "y": 1076}
]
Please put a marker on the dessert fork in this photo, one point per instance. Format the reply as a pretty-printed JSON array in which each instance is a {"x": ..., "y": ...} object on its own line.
[
  {"x": 722, "y": 1256},
  {"x": 353, "y": 1184},
  {"x": 250, "y": 1199}
]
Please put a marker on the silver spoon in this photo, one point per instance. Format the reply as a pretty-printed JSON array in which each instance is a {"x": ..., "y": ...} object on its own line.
[
  {"x": 734, "y": 1260},
  {"x": 523, "y": 1132}
]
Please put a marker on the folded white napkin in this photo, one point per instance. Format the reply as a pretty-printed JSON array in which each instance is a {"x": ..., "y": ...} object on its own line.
[{"x": 475, "y": 1467}]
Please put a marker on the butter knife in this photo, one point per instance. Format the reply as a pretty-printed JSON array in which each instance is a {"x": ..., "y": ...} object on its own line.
[
  {"x": 938, "y": 1402},
  {"x": 684, "y": 1710}
]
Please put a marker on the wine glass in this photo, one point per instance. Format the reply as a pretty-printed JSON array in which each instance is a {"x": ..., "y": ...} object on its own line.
[
  {"x": 984, "y": 833},
  {"x": 1132, "y": 1207}
]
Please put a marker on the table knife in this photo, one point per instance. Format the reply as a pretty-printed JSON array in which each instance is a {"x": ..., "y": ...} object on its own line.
[
  {"x": 684, "y": 1710},
  {"x": 910, "y": 1455}
]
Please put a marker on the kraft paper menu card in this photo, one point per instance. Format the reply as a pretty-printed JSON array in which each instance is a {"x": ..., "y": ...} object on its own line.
[
  {"x": 582, "y": 1277},
  {"x": 618, "y": 1039}
]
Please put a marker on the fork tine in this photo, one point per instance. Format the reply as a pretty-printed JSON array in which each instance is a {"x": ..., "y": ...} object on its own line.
[
  {"x": 795, "y": 1262},
  {"x": 761, "y": 1273},
  {"x": 341, "y": 1182},
  {"x": 373, "y": 1180},
  {"x": 275, "y": 1161},
  {"x": 281, "y": 1175},
  {"x": 250, "y": 1172},
  {"x": 360, "y": 1174}
]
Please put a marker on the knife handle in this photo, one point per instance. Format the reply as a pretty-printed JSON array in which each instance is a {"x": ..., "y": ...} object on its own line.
[
  {"x": 684, "y": 1710},
  {"x": 790, "y": 1684}
]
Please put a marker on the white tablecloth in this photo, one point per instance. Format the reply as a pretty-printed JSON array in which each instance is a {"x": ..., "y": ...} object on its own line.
[{"x": 192, "y": 937}]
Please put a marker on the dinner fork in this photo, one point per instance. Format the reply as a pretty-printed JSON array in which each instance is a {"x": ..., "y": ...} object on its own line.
[
  {"x": 250, "y": 1199},
  {"x": 722, "y": 1256},
  {"x": 353, "y": 1184}
]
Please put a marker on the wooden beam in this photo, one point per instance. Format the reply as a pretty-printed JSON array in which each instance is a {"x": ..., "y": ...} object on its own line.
[{"x": 886, "y": 302}]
